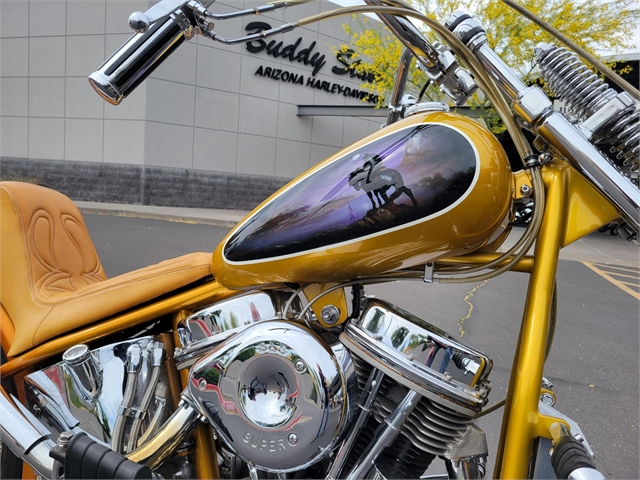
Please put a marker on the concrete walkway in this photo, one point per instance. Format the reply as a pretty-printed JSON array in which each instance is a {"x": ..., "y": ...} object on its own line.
[
  {"x": 207, "y": 216},
  {"x": 597, "y": 247}
]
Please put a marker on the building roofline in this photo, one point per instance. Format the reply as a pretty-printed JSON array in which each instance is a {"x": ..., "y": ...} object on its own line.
[{"x": 622, "y": 57}]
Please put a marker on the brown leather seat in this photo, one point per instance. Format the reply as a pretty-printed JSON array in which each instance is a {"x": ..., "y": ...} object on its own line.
[{"x": 51, "y": 279}]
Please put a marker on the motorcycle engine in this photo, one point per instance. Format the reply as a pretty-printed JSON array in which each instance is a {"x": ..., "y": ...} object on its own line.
[
  {"x": 282, "y": 397},
  {"x": 451, "y": 378},
  {"x": 277, "y": 394}
]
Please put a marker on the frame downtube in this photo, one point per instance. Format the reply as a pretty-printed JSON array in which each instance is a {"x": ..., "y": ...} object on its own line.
[
  {"x": 521, "y": 414},
  {"x": 205, "y": 456}
]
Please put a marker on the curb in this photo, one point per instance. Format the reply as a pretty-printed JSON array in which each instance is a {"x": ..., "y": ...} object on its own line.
[
  {"x": 159, "y": 216},
  {"x": 593, "y": 248}
]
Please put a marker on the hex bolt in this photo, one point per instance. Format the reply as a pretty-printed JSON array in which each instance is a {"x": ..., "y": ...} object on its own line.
[
  {"x": 330, "y": 314},
  {"x": 292, "y": 438},
  {"x": 545, "y": 158},
  {"x": 547, "y": 399},
  {"x": 525, "y": 190},
  {"x": 300, "y": 367},
  {"x": 202, "y": 384},
  {"x": 64, "y": 438}
]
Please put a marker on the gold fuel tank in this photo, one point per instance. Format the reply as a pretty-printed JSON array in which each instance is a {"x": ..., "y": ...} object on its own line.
[{"x": 430, "y": 186}]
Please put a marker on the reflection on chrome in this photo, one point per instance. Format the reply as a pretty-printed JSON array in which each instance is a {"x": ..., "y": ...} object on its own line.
[
  {"x": 276, "y": 387},
  {"x": 85, "y": 372},
  {"x": 208, "y": 327},
  {"x": 269, "y": 404},
  {"x": 419, "y": 356},
  {"x": 65, "y": 397}
]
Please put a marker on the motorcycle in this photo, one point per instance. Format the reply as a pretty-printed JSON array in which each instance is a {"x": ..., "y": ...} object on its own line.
[{"x": 269, "y": 360}]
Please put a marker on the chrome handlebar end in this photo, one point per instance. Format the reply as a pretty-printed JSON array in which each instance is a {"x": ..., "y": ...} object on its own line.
[{"x": 139, "y": 22}]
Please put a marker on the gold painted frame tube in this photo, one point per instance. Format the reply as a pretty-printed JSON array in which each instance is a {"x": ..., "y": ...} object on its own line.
[
  {"x": 204, "y": 455},
  {"x": 207, "y": 293},
  {"x": 522, "y": 422}
]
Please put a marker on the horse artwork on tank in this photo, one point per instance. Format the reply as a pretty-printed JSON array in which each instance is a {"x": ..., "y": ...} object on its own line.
[{"x": 409, "y": 175}]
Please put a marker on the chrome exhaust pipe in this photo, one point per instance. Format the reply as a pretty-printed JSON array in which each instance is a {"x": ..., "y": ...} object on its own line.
[
  {"x": 30, "y": 440},
  {"x": 25, "y": 435},
  {"x": 166, "y": 441}
]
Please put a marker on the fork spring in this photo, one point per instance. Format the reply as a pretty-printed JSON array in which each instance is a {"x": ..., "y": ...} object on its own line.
[{"x": 584, "y": 94}]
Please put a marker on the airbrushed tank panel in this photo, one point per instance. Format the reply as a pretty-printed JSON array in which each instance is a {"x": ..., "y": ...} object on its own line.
[{"x": 397, "y": 181}]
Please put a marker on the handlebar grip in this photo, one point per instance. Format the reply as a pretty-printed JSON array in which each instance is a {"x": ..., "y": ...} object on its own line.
[{"x": 134, "y": 61}]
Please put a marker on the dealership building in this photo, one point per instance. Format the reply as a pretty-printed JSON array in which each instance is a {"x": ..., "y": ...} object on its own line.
[{"x": 214, "y": 126}]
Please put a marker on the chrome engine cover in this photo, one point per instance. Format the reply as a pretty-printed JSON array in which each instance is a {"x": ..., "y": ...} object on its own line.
[
  {"x": 420, "y": 356},
  {"x": 59, "y": 395},
  {"x": 208, "y": 327},
  {"x": 277, "y": 394}
]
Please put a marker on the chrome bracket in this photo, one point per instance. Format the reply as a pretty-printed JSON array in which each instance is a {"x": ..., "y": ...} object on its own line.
[
  {"x": 609, "y": 112},
  {"x": 428, "y": 272},
  {"x": 575, "y": 430},
  {"x": 469, "y": 454}
]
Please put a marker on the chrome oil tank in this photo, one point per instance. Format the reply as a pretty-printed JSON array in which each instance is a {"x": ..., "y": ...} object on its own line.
[{"x": 427, "y": 187}]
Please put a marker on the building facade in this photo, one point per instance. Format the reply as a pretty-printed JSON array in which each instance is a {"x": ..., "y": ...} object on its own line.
[{"x": 214, "y": 126}]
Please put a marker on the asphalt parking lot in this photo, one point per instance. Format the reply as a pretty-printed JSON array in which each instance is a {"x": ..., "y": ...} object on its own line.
[{"x": 594, "y": 364}]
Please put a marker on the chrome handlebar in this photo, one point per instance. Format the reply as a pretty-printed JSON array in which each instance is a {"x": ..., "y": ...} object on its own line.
[
  {"x": 139, "y": 56},
  {"x": 178, "y": 20},
  {"x": 535, "y": 110}
]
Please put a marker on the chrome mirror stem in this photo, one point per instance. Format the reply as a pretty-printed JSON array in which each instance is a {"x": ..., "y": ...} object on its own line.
[{"x": 395, "y": 105}]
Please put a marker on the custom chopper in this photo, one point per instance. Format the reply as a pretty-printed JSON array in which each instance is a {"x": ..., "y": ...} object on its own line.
[{"x": 268, "y": 359}]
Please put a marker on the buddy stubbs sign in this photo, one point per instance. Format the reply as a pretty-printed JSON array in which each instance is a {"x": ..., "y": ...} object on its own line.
[{"x": 306, "y": 55}]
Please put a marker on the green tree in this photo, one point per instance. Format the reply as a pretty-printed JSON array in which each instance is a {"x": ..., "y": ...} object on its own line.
[{"x": 596, "y": 25}]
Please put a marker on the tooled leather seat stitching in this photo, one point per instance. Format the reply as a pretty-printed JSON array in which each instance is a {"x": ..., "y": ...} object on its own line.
[
  {"x": 81, "y": 295},
  {"x": 55, "y": 279},
  {"x": 102, "y": 291},
  {"x": 25, "y": 249},
  {"x": 52, "y": 279}
]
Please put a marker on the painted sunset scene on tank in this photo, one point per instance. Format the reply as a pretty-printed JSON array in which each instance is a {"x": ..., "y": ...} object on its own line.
[{"x": 405, "y": 176}]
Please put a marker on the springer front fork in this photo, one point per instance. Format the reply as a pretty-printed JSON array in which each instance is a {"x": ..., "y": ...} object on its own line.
[{"x": 528, "y": 414}]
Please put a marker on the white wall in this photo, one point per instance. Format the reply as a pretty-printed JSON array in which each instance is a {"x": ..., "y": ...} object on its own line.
[{"x": 203, "y": 109}]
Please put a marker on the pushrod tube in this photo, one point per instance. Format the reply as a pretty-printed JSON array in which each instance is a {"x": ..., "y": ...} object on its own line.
[
  {"x": 384, "y": 435},
  {"x": 366, "y": 403}
]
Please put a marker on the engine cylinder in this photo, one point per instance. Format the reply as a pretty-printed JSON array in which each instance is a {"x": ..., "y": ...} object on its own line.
[{"x": 451, "y": 377}]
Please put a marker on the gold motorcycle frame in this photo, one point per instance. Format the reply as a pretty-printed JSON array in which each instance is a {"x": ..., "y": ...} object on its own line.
[{"x": 572, "y": 209}]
